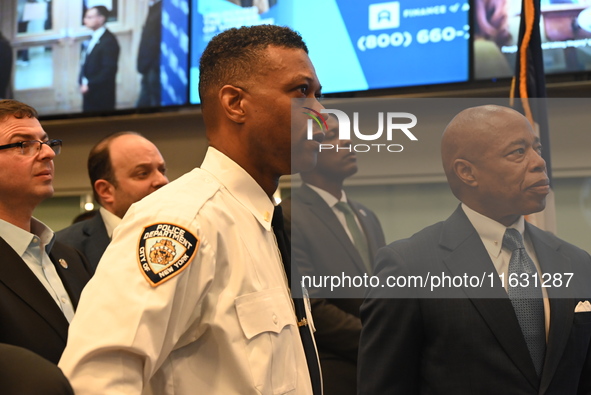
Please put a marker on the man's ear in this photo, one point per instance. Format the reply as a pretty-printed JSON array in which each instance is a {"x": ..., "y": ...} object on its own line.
[
  {"x": 466, "y": 172},
  {"x": 232, "y": 102},
  {"x": 105, "y": 191}
]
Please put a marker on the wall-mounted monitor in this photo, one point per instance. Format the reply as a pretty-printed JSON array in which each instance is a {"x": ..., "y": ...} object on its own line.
[
  {"x": 565, "y": 27},
  {"x": 64, "y": 64},
  {"x": 354, "y": 45}
]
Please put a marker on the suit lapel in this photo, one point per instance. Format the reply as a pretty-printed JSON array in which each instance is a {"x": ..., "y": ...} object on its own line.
[
  {"x": 97, "y": 239},
  {"x": 319, "y": 207},
  {"x": 469, "y": 256},
  {"x": 18, "y": 277},
  {"x": 561, "y": 301}
]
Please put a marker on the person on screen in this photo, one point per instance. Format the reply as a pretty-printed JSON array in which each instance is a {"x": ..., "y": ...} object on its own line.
[
  {"x": 262, "y": 6},
  {"x": 6, "y": 65},
  {"x": 148, "y": 57},
  {"x": 330, "y": 235},
  {"x": 41, "y": 279},
  {"x": 191, "y": 296},
  {"x": 99, "y": 64},
  {"x": 491, "y": 21},
  {"x": 513, "y": 338},
  {"x": 123, "y": 168}
]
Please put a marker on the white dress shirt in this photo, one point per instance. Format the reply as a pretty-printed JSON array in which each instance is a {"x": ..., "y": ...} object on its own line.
[{"x": 110, "y": 220}]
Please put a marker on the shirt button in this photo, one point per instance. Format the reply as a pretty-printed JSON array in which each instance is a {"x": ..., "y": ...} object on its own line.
[
  {"x": 64, "y": 300},
  {"x": 275, "y": 319},
  {"x": 267, "y": 216}
]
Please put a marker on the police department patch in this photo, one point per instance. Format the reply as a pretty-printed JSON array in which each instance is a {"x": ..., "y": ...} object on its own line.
[{"x": 164, "y": 251}]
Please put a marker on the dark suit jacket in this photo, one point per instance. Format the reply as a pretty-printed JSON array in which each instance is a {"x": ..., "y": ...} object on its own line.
[
  {"x": 23, "y": 372},
  {"x": 467, "y": 344},
  {"x": 100, "y": 68},
  {"x": 320, "y": 246},
  {"x": 89, "y": 237},
  {"x": 29, "y": 316}
]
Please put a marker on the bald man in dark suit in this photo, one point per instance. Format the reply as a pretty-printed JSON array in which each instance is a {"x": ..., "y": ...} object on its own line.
[{"x": 493, "y": 339}]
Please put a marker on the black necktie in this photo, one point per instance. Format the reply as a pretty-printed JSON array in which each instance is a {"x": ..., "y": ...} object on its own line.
[{"x": 300, "y": 310}]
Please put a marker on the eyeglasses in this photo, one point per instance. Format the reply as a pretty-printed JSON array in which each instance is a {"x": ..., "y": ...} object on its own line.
[{"x": 32, "y": 147}]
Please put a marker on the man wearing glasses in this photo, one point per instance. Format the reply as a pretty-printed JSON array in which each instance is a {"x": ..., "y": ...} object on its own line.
[{"x": 40, "y": 280}]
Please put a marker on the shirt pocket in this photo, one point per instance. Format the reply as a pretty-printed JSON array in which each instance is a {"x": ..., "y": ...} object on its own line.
[{"x": 268, "y": 323}]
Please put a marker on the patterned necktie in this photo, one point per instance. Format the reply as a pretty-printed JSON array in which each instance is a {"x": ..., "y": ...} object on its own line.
[
  {"x": 300, "y": 310},
  {"x": 527, "y": 300},
  {"x": 359, "y": 239}
]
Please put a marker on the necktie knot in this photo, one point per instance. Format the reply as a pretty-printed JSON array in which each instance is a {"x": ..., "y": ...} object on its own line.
[
  {"x": 512, "y": 239},
  {"x": 345, "y": 207}
]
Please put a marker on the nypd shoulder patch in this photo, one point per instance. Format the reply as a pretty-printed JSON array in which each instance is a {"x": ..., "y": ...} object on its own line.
[{"x": 164, "y": 251}]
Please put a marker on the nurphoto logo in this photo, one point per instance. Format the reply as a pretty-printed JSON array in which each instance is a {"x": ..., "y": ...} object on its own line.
[{"x": 395, "y": 122}]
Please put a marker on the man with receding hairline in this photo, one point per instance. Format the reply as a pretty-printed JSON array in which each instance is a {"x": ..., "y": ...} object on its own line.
[
  {"x": 123, "y": 168},
  {"x": 191, "y": 296},
  {"x": 517, "y": 338}
]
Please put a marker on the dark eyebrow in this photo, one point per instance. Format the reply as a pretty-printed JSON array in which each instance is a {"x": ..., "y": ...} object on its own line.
[{"x": 27, "y": 137}]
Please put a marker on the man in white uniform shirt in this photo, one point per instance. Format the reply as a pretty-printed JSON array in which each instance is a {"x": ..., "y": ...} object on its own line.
[
  {"x": 123, "y": 168},
  {"x": 191, "y": 295}
]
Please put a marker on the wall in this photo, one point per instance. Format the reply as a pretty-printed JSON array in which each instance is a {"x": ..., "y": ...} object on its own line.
[{"x": 408, "y": 192}]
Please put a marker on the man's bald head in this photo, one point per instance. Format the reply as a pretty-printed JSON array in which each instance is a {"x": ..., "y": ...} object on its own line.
[
  {"x": 468, "y": 136},
  {"x": 492, "y": 160}
]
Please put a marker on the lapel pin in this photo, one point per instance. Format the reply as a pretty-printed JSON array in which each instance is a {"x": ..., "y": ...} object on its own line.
[{"x": 63, "y": 263}]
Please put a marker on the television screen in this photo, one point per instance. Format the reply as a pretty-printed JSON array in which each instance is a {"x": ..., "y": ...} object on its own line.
[
  {"x": 354, "y": 45},
  {"x": 95, "y": 56},
  {"x": 565, "y": 27}
]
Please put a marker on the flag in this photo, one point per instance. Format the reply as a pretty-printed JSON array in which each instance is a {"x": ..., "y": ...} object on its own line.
[{"x": 528, "y": 93}]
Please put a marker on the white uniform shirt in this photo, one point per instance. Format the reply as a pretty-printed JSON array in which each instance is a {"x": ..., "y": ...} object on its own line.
[{"x": 219, "y": 321}]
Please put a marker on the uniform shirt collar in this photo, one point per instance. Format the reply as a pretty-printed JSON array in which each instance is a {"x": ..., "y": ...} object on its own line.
[
  {"x": 240, "y": 184},
  {"x": 110, "y": 220},
  {"x": 19, "y": 239},
  {"x": 490, "y": 231},
  {"x": 328, "y": 197}
]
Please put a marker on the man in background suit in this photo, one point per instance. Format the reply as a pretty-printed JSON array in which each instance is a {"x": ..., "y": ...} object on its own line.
[
  {"x": 148, "y": 57},
  {"x": 99, "y": 65},
  {"x": 323, "y": 245},
  {"x": 41, "y": 279},
  {"x": 6, "y": 65},
  {"x": 23, "y": 372},
  {"x": 123, "y": 168},
  {"x": 489, "y": 339}
]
